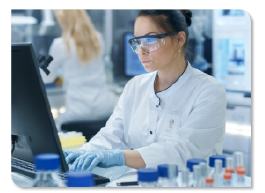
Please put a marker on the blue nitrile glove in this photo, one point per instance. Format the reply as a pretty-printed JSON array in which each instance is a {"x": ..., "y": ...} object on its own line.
[
  {"x": 101, "y": 158},
  {"x": 71, "y": 155}
]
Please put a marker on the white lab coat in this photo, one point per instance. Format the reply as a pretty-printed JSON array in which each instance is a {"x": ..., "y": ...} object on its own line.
[
  {"x": 196, "y": 103},
  {"x": 87, "y": 95}
]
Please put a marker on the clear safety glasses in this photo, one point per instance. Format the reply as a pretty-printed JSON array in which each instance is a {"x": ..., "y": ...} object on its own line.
[{"x": 148, "y": 43}]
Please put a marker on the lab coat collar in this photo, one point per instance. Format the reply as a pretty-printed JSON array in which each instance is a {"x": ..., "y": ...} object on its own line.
[{"x": 155, "y": 97}]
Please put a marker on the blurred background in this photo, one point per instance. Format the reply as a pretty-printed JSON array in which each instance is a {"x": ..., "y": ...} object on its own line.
[{"x": 220, "y": 45}]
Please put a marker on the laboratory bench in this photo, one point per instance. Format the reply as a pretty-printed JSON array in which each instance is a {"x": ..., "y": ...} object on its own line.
[
  {"x": 115, "y": 174},
  {"x": 238, "y": 119}
]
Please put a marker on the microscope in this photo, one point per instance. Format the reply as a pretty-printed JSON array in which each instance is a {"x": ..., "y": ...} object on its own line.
[{"x": 44, "y": 63}]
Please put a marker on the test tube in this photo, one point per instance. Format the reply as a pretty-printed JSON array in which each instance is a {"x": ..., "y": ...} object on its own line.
[
  {"x": 196, "y": 176},
  {"x": 218, "y": 178},
  {"x": 229, "y": 165},
  {"x": 185, "y": 177},
  {"x": 203, "y": 173},
  {"x": 239, "y": 158}
]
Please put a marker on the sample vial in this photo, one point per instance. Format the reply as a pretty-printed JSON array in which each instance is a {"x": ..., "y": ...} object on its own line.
[
  {"x": 190, "y": 164},
  {"x": 203, "y": 173},
  {"x": 227, "y": 180},
  {"x": 218, "y": 175},
  {"x": 167, "y": 175},
  {"x": 80, "y": 179},
  {"x": 196, "y": 176},
  {"x": 229, "y": 165},
  {"x": 185, "y": 178},
  {"x": 209, "y": 182},
  {"x": 241, "y": 172},
  {"x": 212, "y": 161},
  {"x": 147, "y": 177},
  {"x": 47, "y": 166}
]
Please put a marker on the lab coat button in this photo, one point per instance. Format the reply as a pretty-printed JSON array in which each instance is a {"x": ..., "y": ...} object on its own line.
[{"x": 151, "y": 132}]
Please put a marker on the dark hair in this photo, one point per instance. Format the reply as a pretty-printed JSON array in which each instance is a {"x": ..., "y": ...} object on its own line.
[{"x": 171, "y": 20}]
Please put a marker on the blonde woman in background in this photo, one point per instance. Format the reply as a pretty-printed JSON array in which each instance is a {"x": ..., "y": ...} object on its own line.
[{"x": 79, "y": 53}]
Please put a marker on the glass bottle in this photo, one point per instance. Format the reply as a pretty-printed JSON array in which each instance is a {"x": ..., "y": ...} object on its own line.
[
  {"x": 196, "y": 176},
  {"x": 218, "y": 175},
  {"x": 203, "y": 173},
  {"x": 241, "y": 172},
  {"x": 47, "y": 166},
  {"x": 172, "y": 175},
  {"x": 80, "y": 179},
  {"x": 190, "y": 164},
  {"x": 212, "y": 161},
  {"x": 147, "y": 177},
  {"x": 185, "y": 178},
  {"x": 227, "y": 180},
  {"x": 209, "y": 181},
  {"x": 229, "y": 165}
]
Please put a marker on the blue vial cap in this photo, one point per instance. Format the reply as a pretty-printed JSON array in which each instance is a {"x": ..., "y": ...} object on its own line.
[
  {"x": 192, "y": 162},
  {"x": 214, "y": 157},
  {"x": 147, "y": 174},
  {"x": 47, "y": 161},
  {"x": 80, "y": 179},
  {"x": 163, "y": 170}
]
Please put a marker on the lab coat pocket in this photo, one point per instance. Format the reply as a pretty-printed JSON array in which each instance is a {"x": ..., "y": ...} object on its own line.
[{"x": 169, "y": 125}]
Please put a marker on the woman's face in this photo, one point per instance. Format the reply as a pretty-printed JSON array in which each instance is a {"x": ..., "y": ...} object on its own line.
[{"x": 159, "y": 58}]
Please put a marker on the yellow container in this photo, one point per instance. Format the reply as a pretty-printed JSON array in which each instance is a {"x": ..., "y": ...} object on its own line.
[{"x": 71, "y": 140}]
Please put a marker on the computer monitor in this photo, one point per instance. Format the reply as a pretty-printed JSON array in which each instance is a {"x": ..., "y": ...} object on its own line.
[
  {"x": 232, "y": 49},
  {"x": 132, "y": 64},
  {"x": 32, "y": 123}
]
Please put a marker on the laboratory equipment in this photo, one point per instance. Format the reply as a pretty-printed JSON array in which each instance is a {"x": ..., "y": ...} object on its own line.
[
  {"x": 199, "y": 61},
  {"x": 190, "y": 164},
  {"x": 203, "y": 166},
  {"x": 239, "y": 159},
  {"x": 172, "y": 175},
  {"x": 218, "y": 174},
  {"x": 80, "y": 179},
  {"x": 147, "y": 177},
  {"x": 232, "y": 50},
  {"x": 167, "y": 175},
  {"x": 44, "y": 63},
  {"x": 209, "y": 182},
  {"x": 32, "y": 124},
  {"x": 194, "y": 161},
  {"x": 132, "y": 64},
  {"x": 227, "y": 181},
  {"x": 241, "y": 172},
  {"x": 229, "y": 165},
  {"x": 47, "y": 166},
  {"x": 71, "y": 139},
  {"x": 212, "y": 163},
  {"x": 196, "y": 176},
  {"x": 185, "y": 182},
  {"x": 149, "y": 43}
]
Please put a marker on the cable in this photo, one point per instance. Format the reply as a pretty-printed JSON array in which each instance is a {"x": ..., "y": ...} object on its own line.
[{"x": 13, "y": 140}]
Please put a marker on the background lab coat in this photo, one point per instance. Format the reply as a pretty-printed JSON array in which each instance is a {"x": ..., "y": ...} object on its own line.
[
  {"x": 87, "y": 94},
  {"x": 197, "y": 99}
]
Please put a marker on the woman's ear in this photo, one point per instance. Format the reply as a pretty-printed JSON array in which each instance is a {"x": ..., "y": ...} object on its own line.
[{"x": 181, "y": 37}]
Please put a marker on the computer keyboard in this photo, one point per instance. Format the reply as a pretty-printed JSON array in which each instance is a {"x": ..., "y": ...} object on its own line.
[{"x": 28, "y": 169}]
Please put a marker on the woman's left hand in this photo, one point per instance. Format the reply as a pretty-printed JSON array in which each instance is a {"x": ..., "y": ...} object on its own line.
[{"x": 101, "y": 158}]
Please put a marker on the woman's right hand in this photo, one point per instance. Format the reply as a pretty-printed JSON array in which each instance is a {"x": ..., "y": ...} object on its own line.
[{"x": 71, "y": 155}]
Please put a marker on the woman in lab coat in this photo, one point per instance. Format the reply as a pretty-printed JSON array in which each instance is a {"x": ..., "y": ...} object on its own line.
[
  {"x": 167, "y": 116},
  {"x": 79, "y": 53}
]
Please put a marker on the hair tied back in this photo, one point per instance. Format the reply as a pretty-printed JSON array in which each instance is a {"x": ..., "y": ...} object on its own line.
[{"x": 188, "y": 16}]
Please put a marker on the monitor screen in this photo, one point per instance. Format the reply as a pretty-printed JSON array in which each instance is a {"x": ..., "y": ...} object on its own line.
[
  {"x": 230, "y": 61},
  {"x": 232, "y": 50},
  {"x": 132, "y": 64},
  {"x": 31, "y": 119}
]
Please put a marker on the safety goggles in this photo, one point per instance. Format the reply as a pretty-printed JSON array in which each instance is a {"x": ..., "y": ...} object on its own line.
[{"x": 149, "y": 43}]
